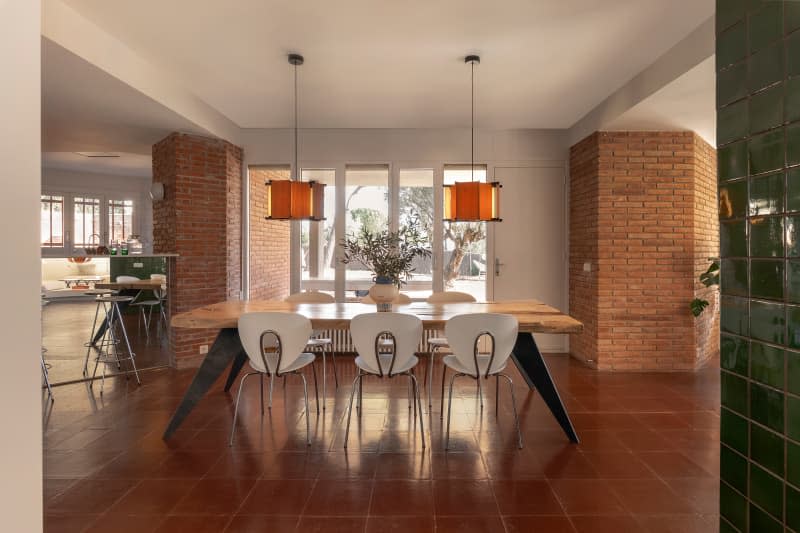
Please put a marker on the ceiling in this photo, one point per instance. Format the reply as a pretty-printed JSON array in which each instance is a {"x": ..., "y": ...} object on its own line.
[
  {"x": 385, "y": 64},
  {"x": 125, "y": 164}
]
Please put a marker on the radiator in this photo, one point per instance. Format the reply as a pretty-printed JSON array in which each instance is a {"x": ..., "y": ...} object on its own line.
[{"x": 343, "y": 343}]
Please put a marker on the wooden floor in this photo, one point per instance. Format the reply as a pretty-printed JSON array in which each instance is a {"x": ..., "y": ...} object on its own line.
[{"x": 648, "y": 460}]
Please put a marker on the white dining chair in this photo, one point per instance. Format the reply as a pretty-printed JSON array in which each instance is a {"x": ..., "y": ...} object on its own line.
[
  {"x": 159, "y": 300},
  {"x": 478, "y": 360},
  {"x": 274, "y": 344},
  {"x": 316, "y": 342},
  {"x": 438, "y": 345},
  {"x": 404, "y": 333}
]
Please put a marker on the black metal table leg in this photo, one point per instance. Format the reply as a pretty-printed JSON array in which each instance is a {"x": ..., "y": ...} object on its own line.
[
  {"x": 531, "y": 365},
  {"x": 226, "y": 348}
]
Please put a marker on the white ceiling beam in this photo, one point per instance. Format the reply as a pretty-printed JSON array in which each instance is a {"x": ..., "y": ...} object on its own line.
[
  {"x": 66, "y": 27},
  {"x": 684, "y": 56}
]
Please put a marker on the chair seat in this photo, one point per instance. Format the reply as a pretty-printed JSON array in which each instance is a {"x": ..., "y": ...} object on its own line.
[
  {"x": 147, "y": 302},
  {"x": 385, "y": 362},
  {"x": 302, "y": 360},
  {"x": 451, "y": 361},
  {"x": 318, "y": 341}
]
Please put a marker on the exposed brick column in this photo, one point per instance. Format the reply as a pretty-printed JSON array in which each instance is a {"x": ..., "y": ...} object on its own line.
[
  {"x": 199, "y": 219},
  {"x": 643, "y": 215},
  {"x": 269, "y": 240}
]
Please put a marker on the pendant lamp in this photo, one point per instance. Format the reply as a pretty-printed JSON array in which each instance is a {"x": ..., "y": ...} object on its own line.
[
  {"x": 472, "y": 201},
  {"x": 295, "y": 199}
]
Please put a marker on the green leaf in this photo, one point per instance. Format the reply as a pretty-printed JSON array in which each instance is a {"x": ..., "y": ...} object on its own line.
[{"x": 697, "y": 306}]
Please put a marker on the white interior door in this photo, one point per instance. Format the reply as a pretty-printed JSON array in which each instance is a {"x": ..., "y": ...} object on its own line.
[{"x": 530, "y": 244}]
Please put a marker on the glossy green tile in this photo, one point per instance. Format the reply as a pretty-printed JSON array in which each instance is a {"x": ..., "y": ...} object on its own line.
[
  {"x": 766, "y": 364},
  {"x": 767, "y": 321},
  {"x": 761, "y": 522},
  {"x": 734, "y": 354},
  {"x": 726, "y": 527},
  {"x": 793, "y": 373},
  {"x": 793, "y": 463},
  {"x": 793, "y": 189},
  {"x": 792, "y": 236},
  {"x": 793, "y": 144},
  {"x": 729, "y": 12},
  {"x": 766, "y": 194},
  {"x": 732, "y": 84},
  {"x": 766, "y": 237},
  {"x": 793, "y": 417},
  {"x": 731, "y": 45},
  {"x": 766, "y": 279},
  {"x": 766, "y": 109},
  {"x": 792, "y": 508},
  {"x": 766, "y": 491},
  {"x": 791, "y": 104},
  {"x": 732, "y": 161},
  {"x": 765, "y": 26},
  {"x": 733, "y": 506},
  {"x": 793, "y": 54},
  {"x": 733, "y": 277},
  {"x": 793, "y": 317},
  {"x": 733, "y": 469},
  {"x": 766, "y": 449},
  {"x": 766, "y": 151},
  {"x": 766, "y": 407},
  {"x": 733, "y": 199},
  {"x": 733, "y": 431},
  {"x": 734, "y": 316},
  {"x": 732, "y": 122},
  {"x": 791, "y": 15},
  {"x": 734, "y": 393},
  {"x": 733, "y": 239},
  {"x": 765, "y": 67},
  {"x": 793, "y": 281}
]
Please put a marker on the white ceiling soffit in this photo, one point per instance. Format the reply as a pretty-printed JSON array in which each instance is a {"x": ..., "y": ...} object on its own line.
[
  {"x": 86, "y": 109},
  {"x": 133, "y": 165},
  {"x": 397, "y": 64},
  {"x": 687, "y": 103}
]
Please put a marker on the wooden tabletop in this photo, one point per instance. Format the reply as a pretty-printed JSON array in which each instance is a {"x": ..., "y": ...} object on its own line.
[
  {"x": 533, "y": 316},
  {"x": 142, "y": 284}
]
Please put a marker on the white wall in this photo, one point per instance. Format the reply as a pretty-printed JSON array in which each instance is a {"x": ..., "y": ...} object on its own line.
[
  {"x": 135, "y": 187},
  {"x": 20, "y": 330}
]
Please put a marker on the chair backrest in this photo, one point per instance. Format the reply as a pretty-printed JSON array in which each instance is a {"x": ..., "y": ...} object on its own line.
[
  {"x": 273, "y": 341},
  {"x": 127, "y": 279},
  {"x": 160, "y": 277},
  {"x": 367, "y": 329},
  {"x": 402, "y": 299},
  {"x": 310, "y": 297},
  {"x": 465, "y": 331},
  {"x": 450, "y": 297}
]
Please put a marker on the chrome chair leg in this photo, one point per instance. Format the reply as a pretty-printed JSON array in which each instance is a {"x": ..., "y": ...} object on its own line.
[
  {"x": 360, "y": 401},
  {"x": 480, "y": 392},
  {"x": 271, "y": 386},
  {"x": 324, "y": 381},
  {"x": 236, "y": 409},
  {"x": 308, "y": 416},
  {"x": 335, "y": 372},
  {"x": 514, "y": 406},
  {"x": 429, "y": 376},
  {"x": 350, "y": 409},
  {"x": 47, "y": 380},
  {"x": 444, "y": 373},
  {"x": 316, "y": 390},
  {"x": 418, "y": 403},
  {"x": 496, "y": 394},
  {"x": 261, "y": 382},
  {"x": 450, "y": 411}
]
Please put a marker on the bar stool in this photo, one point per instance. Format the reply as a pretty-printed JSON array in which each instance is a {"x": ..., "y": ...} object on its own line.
[
  {"x": 108, "y": 345},
  {"x": 100, "y": 303},
  {"x": 45, "y": 374}
]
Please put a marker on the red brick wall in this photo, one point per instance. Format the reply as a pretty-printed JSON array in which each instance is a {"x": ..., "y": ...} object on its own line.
[
  {"x": 199, "y": 219},
  {"x": 269, "y": 240},
  {"x": 639, "y": 215}
]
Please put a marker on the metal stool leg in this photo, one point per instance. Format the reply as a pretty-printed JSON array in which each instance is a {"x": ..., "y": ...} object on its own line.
[
  {"x": 47, "y": 379},
  {"x": 324, "y": 381},
  {"x": 127, "y": 343},
  {"x": 91, "y": 338}
]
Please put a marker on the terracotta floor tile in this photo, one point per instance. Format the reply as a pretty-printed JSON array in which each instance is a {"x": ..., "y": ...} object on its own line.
[
  {"x": 529, "y": 497},
  {"x": 277, "y": 497},
  {"x": 528, "y": 524},
  {"x": 53, "y": 487},
  {"x": 619, "y": 465},
  {"x": 458, "y": 465},
  {"x": 263, "y": 524},
  {"x": 587, "y": 496},
  {"x": 338, "y": 497},
  {"x": 242, "y": 465},
  {"x": 513, "y": 466},
  {"x": 605, "y": 524},
  {"x": 93, "y": 496},
  {"x": 644, "y": 440},
  {"x": 215, "y": 497},
  {"x": 661, "y": 421},
  {"x": 331, "y": 524},
  {"x": 400, "y": 524},
  {"x": 193, "y": 524},
  {"x": 291, "y": 465},
  {"x": 469, "y": 524},
  {"x": 153, "y": 496},
  {"x": 338, "y": 465},
  {"x": 464, "y": 497},
  {"x": 702, "y": 493},
  {"x": 672, "y": 465},
  {"x": 568, "y": 464},
  {"x": 679, "y": 523},
  {"x": 120, "y": 523},
  {"x": 131, "y": 465},
  {"x": 598, "y": 440},
  {"x": 403, "y": 466},
  {"x": 649, "y": 497},
  {"x": 186, "y": 465},
  {"x": 396, "y": 498},
  {"x": 72, "y": 523}
]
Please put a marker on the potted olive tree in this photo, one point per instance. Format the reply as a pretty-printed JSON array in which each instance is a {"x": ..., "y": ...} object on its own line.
[{"x": 389, "y": 255}]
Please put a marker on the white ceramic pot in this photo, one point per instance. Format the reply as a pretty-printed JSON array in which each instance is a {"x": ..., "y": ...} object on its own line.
[{"x": 384, "y": 294}]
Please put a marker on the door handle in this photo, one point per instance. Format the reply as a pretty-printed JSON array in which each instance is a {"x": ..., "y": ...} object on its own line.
[{"x": 497, "y": 265}]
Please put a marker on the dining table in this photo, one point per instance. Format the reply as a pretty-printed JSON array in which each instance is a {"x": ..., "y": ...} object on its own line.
[{"x": 532, "y": 316}]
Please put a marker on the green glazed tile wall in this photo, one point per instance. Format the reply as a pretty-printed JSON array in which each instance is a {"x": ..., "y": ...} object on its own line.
[
  {"x": 129, "y": 266},
  {"x": 758, "y": 138}
]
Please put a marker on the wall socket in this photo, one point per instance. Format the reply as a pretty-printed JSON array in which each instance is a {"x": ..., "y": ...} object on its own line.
[{"x": 203, "y": 349}]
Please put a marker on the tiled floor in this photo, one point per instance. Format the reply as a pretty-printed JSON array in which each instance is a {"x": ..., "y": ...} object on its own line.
[
  {"x": 648, "y": 460},
  {"x": 66, "y": 325}
]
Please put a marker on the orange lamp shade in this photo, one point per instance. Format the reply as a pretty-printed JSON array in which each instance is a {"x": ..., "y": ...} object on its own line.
[
  {"x": 295, "y": 200},
  {"x": 472, "y": 201}
]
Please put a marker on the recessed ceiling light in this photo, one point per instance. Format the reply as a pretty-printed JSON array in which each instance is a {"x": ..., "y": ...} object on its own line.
[{"x": 98, "y": 154}]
